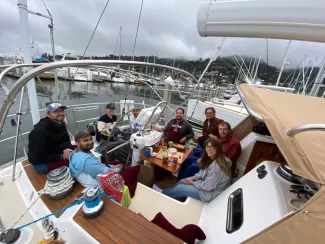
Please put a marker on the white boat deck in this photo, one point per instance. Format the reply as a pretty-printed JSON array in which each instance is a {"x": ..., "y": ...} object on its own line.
[{"x": 13, "y": 207}]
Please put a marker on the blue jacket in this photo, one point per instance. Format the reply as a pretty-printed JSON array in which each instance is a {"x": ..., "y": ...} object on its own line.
[{"x": 85, "y": 167}]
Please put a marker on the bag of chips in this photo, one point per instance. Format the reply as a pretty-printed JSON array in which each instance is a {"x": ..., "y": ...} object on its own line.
[
  {"x": 112, "y": 184},
  {"x": 126, "y": 198}
]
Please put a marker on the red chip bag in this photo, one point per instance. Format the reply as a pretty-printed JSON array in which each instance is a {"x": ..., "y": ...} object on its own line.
[{"x": 112, "y": 184}]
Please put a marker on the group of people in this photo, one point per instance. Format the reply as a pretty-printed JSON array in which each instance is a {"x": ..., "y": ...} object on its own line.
[
  {"x": 50, "y": 148},
  {"x": 206, "y": 175},
  {"x": 204, "y": 178}
]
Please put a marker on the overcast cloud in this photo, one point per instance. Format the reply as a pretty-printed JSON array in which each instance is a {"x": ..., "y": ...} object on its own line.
[{"x": 167, "y": 29}]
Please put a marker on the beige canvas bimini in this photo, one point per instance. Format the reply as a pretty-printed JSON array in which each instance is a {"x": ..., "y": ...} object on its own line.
[{"x": 305, "y": 152}]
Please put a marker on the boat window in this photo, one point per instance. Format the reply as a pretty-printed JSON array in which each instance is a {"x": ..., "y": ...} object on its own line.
[{"x": 235, "y": 211}]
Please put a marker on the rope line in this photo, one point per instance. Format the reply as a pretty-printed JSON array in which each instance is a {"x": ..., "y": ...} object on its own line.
[
  {"x": 49, "y": 215},
  {"x": 63, "y": 209}
]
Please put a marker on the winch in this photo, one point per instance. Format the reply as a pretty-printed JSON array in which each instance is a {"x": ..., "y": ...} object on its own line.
[
  {"x": 94, "y": 205},
  {"x": 9, "y": 236},
  {"x": 59, "y": 183}
]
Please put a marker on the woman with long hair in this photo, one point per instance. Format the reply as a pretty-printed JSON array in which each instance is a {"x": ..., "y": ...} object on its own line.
[{"x": 213, "y": 178}]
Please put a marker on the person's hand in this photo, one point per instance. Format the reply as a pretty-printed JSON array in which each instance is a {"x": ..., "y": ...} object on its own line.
[
  {"x": 189, "y": 181},
  {"x": 182, "y": 140},
  {"x": 196, "y": 137},
  {"x": 157, "y": 129},
  {"x": 66, "y": 153},
  {"x": 118, "y": 166},
  {"x": 199, "y": 160},
  {"x": 214, "y": 137},
  {"x": 104, "y": 132},
  {"x": 117, "y": 132}
]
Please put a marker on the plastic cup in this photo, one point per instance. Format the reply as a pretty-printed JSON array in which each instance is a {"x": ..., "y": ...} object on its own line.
[{"x": 147, "y": 152}]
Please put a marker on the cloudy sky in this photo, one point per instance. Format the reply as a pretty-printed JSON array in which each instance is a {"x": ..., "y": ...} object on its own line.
[{"x": 167, "y": 29}]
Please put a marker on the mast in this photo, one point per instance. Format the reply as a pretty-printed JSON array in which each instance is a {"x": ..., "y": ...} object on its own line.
[
  {"x": 267, "y": 60},
  {"x": 118, "y": 41},
  {"x": 283, "y": 63},
  {"x": 119, "y": 56},
  {"x": 258, "y": 64},
  {"x": 24, "y": 34},
  {"x": 136, "y": 34},
  {"x": 51, "y": 26},
  {"x": 319, "y": 79}
]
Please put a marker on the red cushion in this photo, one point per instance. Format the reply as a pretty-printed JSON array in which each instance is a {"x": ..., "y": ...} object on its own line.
[{"x": 189, "y": 233}]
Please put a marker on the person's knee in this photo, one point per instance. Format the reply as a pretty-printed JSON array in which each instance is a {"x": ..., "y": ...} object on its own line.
[
  {"x": 180, "y": 181},
  {"x": 41, "y": 168}
]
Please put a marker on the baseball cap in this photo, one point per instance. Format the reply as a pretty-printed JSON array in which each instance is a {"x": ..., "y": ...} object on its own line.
[
  {"x": 52, "y": 107},
  {"x": 81, "y": 134},
  {"x": 110, "y": 106}
]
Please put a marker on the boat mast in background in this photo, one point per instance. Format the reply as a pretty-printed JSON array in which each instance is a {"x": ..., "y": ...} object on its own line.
[
  {"x": 319, "y": 80},
  {"x": 24, "y": 34},
  {"x": 283, "y": 63},
  {"x": 136, "y": 34},
  {"x": 267, "y": 60}
]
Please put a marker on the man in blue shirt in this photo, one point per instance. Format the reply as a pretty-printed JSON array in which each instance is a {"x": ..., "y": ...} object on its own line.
[{"x": 84, "y": 166}]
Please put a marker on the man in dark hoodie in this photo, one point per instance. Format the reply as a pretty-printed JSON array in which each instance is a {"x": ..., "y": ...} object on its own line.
[{"x": 49, "y": 142}]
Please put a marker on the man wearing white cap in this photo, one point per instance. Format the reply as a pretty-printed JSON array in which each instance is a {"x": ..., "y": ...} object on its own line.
[{"x": 49, "y": 144}]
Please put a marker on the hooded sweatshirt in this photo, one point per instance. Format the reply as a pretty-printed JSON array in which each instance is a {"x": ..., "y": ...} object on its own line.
[
  {"x": 47, "y": 141},
  {"x": 85, "y": 167},
  {"x": 211, "y": 181}
]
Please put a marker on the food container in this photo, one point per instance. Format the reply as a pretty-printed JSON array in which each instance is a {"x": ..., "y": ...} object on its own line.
[
  {"x": 172, "y": 151},
  {"x": 175, "y": 159},
  {"x": 165, "y": 158},
  {"x": 170, "y": 161}
]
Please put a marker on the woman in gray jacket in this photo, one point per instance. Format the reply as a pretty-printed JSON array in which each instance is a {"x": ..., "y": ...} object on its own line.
[{"x": 213, "y": 178}]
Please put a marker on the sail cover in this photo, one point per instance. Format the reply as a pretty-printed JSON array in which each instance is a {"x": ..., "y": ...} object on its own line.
[
  {"x": 279, "y": 19},
  {"x": 304, "y": 152}
]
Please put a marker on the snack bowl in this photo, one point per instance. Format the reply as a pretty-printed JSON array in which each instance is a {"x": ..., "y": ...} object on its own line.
[{"x": 172, "y": 150}]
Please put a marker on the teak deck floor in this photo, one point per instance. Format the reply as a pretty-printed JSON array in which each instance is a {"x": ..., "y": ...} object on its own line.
[
  {"x": 117, "y": 224},
  {"x": 39, "y": 180}
]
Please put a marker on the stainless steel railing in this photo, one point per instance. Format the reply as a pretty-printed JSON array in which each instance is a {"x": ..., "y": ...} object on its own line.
[
  {"x": 19, "y": 85},
  {"x": 77, "y": 63},
  {"x": 303, "y": 128}
]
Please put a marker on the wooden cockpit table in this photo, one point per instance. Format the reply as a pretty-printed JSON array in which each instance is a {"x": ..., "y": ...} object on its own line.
[{"x": 159, "y": 162}]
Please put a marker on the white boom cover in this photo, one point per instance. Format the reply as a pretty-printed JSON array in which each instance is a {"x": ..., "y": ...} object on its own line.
[{"x": 279, "y": 19}]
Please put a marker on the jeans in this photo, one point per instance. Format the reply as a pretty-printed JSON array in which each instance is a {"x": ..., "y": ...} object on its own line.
[
  {"x": 201, "y": 140},
  {"x": 41, "y": 168},
  {"x": 182, "y": 190},
  {"x": 184, "y": 171}
]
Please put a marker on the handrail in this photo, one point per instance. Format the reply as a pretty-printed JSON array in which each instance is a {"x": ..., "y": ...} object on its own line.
[
  {"x": 275, "y": 88},
  {"x": 77, "y": 63},
  {"x": 15, "y": 66},
  {"x": 247, "y": 106},
  {"x": 153, "y": 113},
  {"x": 69, "y": 106},
  {"x": 303, "y": 128}
]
